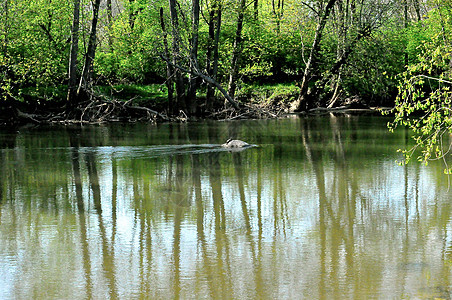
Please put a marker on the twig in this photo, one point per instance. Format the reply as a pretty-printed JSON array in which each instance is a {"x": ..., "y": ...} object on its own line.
[{"x": 432, "y": 78}]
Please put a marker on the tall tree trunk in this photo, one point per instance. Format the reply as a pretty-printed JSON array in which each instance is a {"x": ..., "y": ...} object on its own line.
[
  {"x": 417, "y": 8},
  {"x": 180, "y": 90},
  {"x": 303, "y": 101},
  {"x": 335, "y": 70},
  {"x": 5, "y": 26},
  {"x": 342, "y": 28},
  {"x": 73, "y": 76},
  {"x": 256, "y": 10},
  {"x": 133, "y": 12},
  {"x": 169, "y": 68},
  {"x": 405, "y": 14},
  {"x": 216, "y": 44},
  {"x": 278, "y": 57},
  {"x": 212, "y": 51},
  {"x": 353, "y": 13},
  {"x": 237, "y": 51},
  {"x": 85, "y": 80},
  {"x": 278, "y": 11},
  {"x": 194, "y": 80},
  {"x": 210, "y": 44},
  {"x": 110, "y": 23}
]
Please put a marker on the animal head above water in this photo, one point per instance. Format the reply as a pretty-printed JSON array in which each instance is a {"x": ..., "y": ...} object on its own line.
[{"x": 230, "y": 143}]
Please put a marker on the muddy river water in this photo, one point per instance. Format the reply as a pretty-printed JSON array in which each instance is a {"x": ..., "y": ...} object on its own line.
[{"x": 319, "y": 210}]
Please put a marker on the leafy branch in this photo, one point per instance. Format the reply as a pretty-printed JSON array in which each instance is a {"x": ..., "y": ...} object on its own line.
[{"x": 427, "y": 111}]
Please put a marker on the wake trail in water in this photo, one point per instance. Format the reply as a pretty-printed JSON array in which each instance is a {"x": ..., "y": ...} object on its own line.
[{"x": 157, "y": 150}]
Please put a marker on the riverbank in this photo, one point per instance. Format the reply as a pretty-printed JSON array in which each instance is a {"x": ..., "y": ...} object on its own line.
[{"x": 148, "y": 103}]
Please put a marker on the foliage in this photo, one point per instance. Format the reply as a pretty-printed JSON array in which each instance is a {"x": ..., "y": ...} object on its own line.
[
  {"x": 34, "y": 47},
  {"x": 424, "y": 100},
  {"x": 131, "y": 53},
  {"x": 374, "y": 67}
]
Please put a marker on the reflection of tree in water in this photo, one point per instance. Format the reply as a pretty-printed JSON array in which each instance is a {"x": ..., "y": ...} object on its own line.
[
  {"x": 255, "y": 248},
  {"x": 107, "y": 246},
  {"x": 219, "y": 264},
  {"x": 108, "y": 263},
  {"x": 7, "y": 141},
  {"x": 348, "y": 220},
  {"x": 336, "y": 218},
  {"x": 221, "y": 223},
  {"x": 75, "y": 158}
]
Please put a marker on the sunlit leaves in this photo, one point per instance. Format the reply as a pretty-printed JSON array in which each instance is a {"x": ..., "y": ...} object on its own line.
[
  {"x": 424, "y": 105},
  {"x": 34, "y": 45},
  {"x": 424, "y": 100}
]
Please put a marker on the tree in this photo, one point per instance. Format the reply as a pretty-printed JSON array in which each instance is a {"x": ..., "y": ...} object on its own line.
[
  {"x": 109, "y": 22},
  {"x": 210, "y": 44},
  {"x": 194, "y": 80},
  {"x": 303, "y": 100},
  {"x": 237, "y": 50},
  {"x": 85, "y": 80},
  {"x": 184, "y": 57},
  {"x": 5, "y": 85},
  {"x": 176, "y": 54},
  {"x": 33, "y": 45},
  {"x": 278, "y": 13},
  {"x": 212, "y": 52},
  {"x": 352, "y": 23},
  {"x": 169, "y": 67},
  {"x": 73, "y": 74}
]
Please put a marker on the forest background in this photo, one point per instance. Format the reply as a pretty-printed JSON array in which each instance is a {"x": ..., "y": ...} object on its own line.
[{"x": 121, "y": 59}]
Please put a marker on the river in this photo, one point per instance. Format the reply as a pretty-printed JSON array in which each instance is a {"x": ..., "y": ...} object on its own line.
[{"x": 320, "y": 209}]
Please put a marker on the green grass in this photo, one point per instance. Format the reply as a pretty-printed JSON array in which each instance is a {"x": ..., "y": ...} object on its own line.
[
  {"x": 269, "y": 93},
  {"x": 140, "y": 93},
  {"x": 43, "y": 93},
  {"x": 155, "y": 93}
]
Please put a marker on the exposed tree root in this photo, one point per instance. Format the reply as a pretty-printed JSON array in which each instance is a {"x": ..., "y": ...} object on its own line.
[
  {"x": 102, "y": 110},
  {"x": 91, "y": 112}
]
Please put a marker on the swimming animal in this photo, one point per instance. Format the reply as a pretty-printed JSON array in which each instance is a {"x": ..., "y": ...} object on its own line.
[{"x": 230, "y": 143}]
